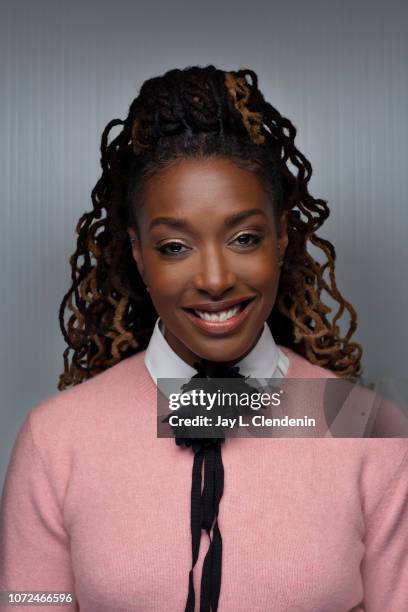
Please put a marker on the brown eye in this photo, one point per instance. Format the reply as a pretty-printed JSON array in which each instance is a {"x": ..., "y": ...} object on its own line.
[
  {"x": 170, "y": 245},
  {"x": 254, "y": 239}
]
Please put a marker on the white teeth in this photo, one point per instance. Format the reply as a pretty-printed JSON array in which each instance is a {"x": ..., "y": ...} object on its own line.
[{"x": 219, "y": 316}]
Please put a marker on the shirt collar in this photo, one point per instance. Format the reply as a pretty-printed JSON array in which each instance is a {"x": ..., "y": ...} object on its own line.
[{"x": 265, "y": 360}]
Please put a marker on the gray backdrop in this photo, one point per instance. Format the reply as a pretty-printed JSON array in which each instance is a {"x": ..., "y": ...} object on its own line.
[{"x": 336, "y": 69}]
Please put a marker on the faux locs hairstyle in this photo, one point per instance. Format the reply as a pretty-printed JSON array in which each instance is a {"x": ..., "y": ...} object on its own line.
[{"x": 198, "y": 112}]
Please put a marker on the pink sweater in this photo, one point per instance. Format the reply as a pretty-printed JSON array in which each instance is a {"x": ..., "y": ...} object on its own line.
[{"x": 94, "y": 503}]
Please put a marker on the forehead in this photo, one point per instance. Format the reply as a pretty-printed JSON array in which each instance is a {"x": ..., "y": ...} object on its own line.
[{"x": 191, "y": 188}]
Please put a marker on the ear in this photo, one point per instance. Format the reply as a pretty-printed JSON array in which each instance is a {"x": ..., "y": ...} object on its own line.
[
  {"x": 283, "y": 233},
  {"x": 136, "y": 250}
]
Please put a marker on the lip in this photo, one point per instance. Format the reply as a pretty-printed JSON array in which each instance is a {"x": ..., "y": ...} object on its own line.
[
  {"x": 218, "y": 306},
  {"x": 222, "y": 327}
]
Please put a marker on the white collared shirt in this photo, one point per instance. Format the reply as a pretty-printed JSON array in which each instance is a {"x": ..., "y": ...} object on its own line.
[{"x": 265, "y": 360}]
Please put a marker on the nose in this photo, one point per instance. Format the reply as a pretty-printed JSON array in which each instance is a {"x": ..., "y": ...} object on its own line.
[{"x": 214, "y": 275}]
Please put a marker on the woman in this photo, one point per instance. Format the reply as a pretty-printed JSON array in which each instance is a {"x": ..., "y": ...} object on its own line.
[{"x": 194, "y": 262}]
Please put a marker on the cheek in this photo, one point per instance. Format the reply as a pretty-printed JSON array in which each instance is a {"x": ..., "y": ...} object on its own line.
[
  {"x": 263, "y": 271},
  {"x": 166, "y": 282}
]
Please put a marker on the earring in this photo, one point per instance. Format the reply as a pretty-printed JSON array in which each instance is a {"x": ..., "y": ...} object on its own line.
[{"x": 147, "y": 289}]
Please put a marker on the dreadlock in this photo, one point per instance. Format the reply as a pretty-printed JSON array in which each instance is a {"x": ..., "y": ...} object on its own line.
[{"x": 198, "y": 113}]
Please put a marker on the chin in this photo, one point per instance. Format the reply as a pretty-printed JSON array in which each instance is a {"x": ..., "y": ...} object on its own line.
[{"x": 220, "y": 355}]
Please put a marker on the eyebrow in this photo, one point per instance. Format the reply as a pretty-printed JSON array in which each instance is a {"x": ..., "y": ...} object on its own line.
[{"x": 183, "y": 224}]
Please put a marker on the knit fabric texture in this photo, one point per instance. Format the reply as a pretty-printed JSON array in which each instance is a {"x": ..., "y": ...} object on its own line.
[{"x": 95, "y": 504}]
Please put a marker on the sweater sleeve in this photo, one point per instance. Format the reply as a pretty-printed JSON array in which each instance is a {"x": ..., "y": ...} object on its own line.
[
  {"x": 385, "y": 563},
  {"x": 34, "y": 545}
]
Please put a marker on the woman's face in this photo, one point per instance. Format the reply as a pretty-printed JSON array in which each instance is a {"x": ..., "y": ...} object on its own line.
[{"x": 193, "y": 255}]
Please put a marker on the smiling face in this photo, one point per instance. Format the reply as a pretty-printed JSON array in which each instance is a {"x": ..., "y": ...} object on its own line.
[{"x": 220, "y": 249}]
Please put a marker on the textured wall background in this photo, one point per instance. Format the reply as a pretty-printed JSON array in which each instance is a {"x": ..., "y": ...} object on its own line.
[{"x": 336, "y": 69}]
